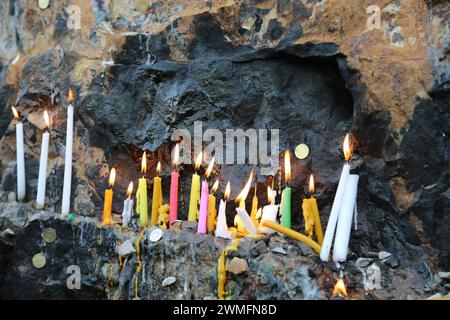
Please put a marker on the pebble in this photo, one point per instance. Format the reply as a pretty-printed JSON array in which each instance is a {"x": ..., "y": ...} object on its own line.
[
  {"x": 279, "y": 250},
  {"x": 168, "y": 281},
  {"x": 444, "y": 275},
  {"x": 392, "y": 262},
  {"x": 11, "y": 197},
  {"x": 126, "y": 248},
  {"x": 383, "y": 255},
  {"x": 363, "y": 262},
  {"x": 237, "y": 265},
  {"x": 9, "y": 233}
]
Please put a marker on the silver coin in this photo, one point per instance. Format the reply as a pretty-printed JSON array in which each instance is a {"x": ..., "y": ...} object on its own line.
[{"x": 156, "y": 235}]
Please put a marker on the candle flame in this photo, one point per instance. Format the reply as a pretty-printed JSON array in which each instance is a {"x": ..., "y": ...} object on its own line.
[
  {"x": 112, "y": 177},
  {"x": 259, "y": 214},
  {"x": 70, "y": 95},
  {"x": 47, "y": 119},
  {"x": 227, "y": 191},
  {"x": 15, "y": 113},
  {"x": 210, "y": 167},
  {"x": 176, "y": 155},
  {"x": 269, "y": 194},
  {"x": 237, "y": 219},
  {"x": 144, "y": 163},
  {"x": 198, "y": 161},
  {"x": 130, "y": 189},
  {"x": 158, "y": 168},
  {"x": 311, "y": 184},
  {"x": 346, "y": 147},
  {"x": 287, "y": 166},
  {"x": 243, "y": 195},
  {"x": 215, "y": 186},
  {"x": 339, "y": 289}
]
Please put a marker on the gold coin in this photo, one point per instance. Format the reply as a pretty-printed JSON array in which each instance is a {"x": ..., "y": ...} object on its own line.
[
  {"x": 301, "y": 151},
  {"x": 49, "y": 235},
  {"x": 43, "y": 4},
  {"x": 39, "y": 261}
]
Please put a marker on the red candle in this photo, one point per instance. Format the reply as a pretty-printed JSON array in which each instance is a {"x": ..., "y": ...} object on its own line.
[{"x": 173, "y": 213}]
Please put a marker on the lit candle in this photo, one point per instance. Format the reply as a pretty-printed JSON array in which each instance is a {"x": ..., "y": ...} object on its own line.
[
  {"x": 345, "y": 219},
  {"x": 67, "y": 184},
  {"x": 269, "y": 211},
  {"x": 173, "y": 206},
  {"x": 127, "y": 212},
  {"x": 42, "y": 179},
  {"x": 285, "y": 206},
  {"x": 241, "y": 200},
  {"x": 244, "y": 220},
  {"x": 212, "y": 212},
  {"x": 157, "y": 199},
  {"x": 107, "y": 206},
  {"x": 20, "y": 157},
  {"x": 203, "y": 215},
  {"x": 222, "y": 227},
  {"x": 336, "y": 207},
  {"x": 195, "y": 191},
  {"x": 141, "y": 194},
  {"x": 311, "y": 214}
]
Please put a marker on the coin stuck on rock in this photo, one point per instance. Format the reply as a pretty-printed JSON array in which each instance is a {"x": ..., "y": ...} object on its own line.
[
  {"x": 39, "y": 261},
  {"x": 49, "y": 235},
  {"x": 43, "y": 4},
  {"x": 156, "y": 235},
  {"x": 302, "y": 151}
]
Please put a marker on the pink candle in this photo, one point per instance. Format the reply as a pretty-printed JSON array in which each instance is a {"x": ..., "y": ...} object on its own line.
[
  {"x": 173, "y": 205},
  {"x": 173, "y": 197},
  {"x": 204, "y": 198},
  {"x": 203, "y": 216}
]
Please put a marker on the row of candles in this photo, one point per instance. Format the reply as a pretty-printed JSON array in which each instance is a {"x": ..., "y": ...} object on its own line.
[{"x": 202, "y": 205}]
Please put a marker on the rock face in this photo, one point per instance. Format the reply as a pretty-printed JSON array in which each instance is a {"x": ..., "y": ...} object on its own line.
[{"x": 313, "y": 69}]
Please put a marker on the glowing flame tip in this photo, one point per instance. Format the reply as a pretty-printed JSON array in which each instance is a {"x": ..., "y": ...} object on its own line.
[
  {"x": 144, "y": 163},
  {"x": 346, "y": 147},
  {"x": 215, "y": 186},
  {"x": 287, "y": 166},
  {"x": 130, "y": 189},
  {"x": 243, "y": 195},
  {"x": 311, "y": 184},
  {"x": 47, "y": 119},
  {"x": 339, "y": 289},
  {"x": 112, "y": 177},
  {"x": 210, "y": 167},
  {"x": 198, "y": 161},
  {"x": 70, "y": 95},
  {"x": 227, "y": 191},
  {"x": 15, "y": 113}
]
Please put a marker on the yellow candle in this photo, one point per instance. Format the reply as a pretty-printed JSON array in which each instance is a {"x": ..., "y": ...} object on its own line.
[
  {"x": 195, "y": 191},
  {"x": 254, "y": 208},
  {"x": 311, "y": 214},
  {"x": 212, "y": 212},
  {"x": 157, "y": 199},
  {"x": 107, "y": 206},
  {"x": 293, "y": 234},
  {"x": 141, "y": 195}
]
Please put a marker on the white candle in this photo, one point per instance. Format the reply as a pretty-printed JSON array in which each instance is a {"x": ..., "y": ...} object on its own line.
[
  {"x": 269, "y": 213},
  {"x": 332, "y": 220},
  {"x": 42, "y": 179},
  {"x": 20, "y": 157},
  {"x": 127, "y": 212},
  {"x": 65, "y": 207},
  {"x": 345, "y": 219},
  {"x": 247, "y": 221},
  {"x": 222, "y": 227}
]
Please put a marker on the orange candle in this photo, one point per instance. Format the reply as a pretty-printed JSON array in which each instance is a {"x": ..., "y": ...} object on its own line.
[
  {"x": 311, "y": 214},
  {"x": 108, "y": 199}
]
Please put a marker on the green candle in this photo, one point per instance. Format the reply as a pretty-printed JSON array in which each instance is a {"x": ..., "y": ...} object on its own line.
[{"x": 285, "y": 207}]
